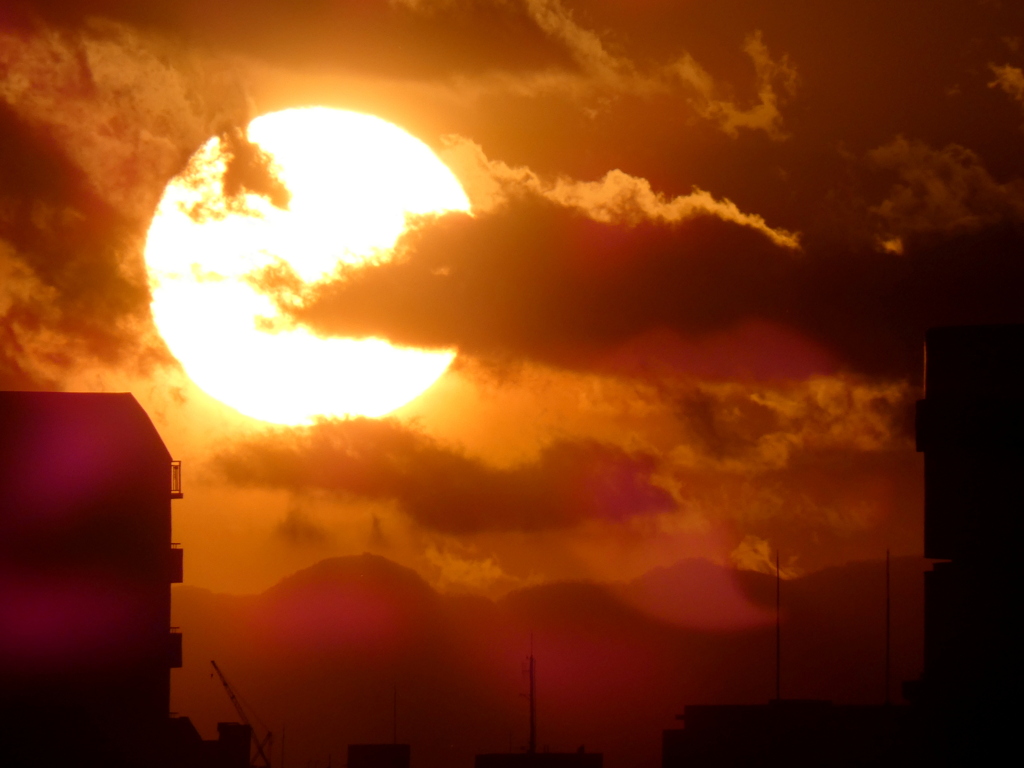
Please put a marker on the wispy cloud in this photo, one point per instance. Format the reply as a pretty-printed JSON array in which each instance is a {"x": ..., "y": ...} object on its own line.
[
  {"x": 616, "y": 198},
  {"x": 603, "y": 74},
  {"x": 776, "y": 80},
  {"x": 1010, "y": 80}
]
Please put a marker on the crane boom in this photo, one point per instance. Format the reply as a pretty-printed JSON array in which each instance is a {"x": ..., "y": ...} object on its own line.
[{"x": 267, "y": 740}]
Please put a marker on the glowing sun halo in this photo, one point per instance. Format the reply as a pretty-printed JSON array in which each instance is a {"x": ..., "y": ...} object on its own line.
[{"x": 353, "y": 179}]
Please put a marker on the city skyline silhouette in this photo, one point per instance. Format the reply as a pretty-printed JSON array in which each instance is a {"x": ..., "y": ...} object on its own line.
[
  {"x": 466, "y": 321},
  {"x": 89, "y": 645}
]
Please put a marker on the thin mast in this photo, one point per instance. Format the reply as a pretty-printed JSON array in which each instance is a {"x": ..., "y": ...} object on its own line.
[
  {"x": 533, "y": 702},
  {"x": 888, "y": 627},
  {"x": 778, "y": 629}
]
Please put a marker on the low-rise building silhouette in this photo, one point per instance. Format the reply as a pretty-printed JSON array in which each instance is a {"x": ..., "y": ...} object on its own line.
[
  {"x": 578, "y": 759},
  {"x": 378, "y": 756},
  {"x": 792, "y": 733},
  {"x": 187, "y": 749}
]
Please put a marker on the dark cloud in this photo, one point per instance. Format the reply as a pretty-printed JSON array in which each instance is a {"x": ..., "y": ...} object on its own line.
[
  {"x": 92, "y": 124},
  {"x": 723, "y": 427},
  {"x": 823, "y": 506},
  {"x": 248, "y": 170},
  {"x": 947, "y": 190},
  {"x": 443, "y": 489},
  {"x": 399, "y": 39},
  {"x": 61, "y": 246},
  {"x": 536, "y": 280},
  {"x": 540, "y": 281},
  {"x": 823, "y": 468},
  {"x": 13, "y": 373},
  {"x": 299, "y": 529}
]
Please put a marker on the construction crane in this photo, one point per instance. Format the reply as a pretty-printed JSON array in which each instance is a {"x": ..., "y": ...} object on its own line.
[{"x": 263, "y": 746}]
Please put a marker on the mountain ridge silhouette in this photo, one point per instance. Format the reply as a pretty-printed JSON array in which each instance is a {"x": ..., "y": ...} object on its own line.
[{"x": 324, "y": 649}]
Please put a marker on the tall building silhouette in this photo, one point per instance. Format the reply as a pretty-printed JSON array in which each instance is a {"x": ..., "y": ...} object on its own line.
[
  {"x": 86, "y": 566},
  {"x": 970, "y": 427}
]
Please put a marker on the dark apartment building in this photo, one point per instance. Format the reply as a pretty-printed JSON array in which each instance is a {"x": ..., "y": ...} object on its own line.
[{"x": 86, "y": 567}]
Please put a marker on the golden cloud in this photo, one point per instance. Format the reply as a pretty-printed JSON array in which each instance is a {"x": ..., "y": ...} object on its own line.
[{"x": 616, "y": 198}]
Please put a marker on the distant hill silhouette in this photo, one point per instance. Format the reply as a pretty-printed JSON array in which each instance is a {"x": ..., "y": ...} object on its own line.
[{"x": 321, "y": 650}]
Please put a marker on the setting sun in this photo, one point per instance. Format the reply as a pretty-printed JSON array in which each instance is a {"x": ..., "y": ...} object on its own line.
[
  {"x": 586, "y": 340},
  {"x": 341, "y": 188}
]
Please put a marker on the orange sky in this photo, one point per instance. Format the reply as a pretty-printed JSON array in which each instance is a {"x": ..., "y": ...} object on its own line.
[{"x": 689, "y": 310}]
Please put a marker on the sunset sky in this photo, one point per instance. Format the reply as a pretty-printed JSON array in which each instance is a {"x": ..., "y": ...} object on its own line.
[{"x": 687, "y": 305}]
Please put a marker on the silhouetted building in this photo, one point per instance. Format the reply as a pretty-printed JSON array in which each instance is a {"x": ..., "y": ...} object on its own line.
[
  {"x": 378, "y": 756},
  {"x": 578, "y": 759},
  {"x": 86, "y": 564},
  {"x": 186, "y": 748},
  {"x": 791, "y": 733},
  {"x": 970, "y": 427}
]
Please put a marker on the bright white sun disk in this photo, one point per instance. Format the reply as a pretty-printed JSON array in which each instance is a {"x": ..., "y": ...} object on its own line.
[{"x": 353, "y": 180}]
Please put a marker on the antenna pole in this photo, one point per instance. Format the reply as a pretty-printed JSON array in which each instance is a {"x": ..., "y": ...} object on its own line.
[
  {"x": 888, "y": 627},
  {"x": 778, "y": 629},
  {"x": 533, "y": 702}
]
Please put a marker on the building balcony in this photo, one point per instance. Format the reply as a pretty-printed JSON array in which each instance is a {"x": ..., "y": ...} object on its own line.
[{"x": 176, "y": 480}]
